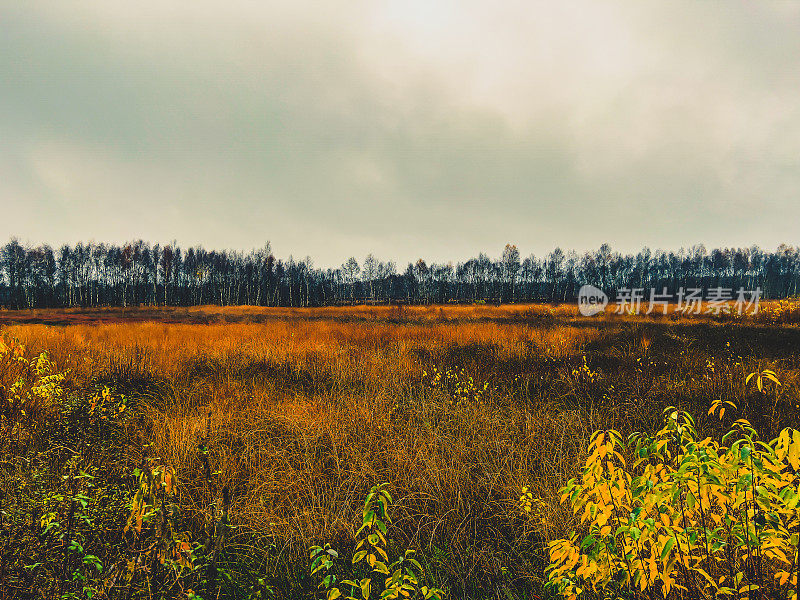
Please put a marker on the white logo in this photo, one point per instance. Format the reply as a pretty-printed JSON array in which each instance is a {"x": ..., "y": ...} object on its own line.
[{"x": 591, "y": 301}]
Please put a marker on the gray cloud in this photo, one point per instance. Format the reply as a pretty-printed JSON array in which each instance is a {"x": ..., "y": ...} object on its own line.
[{"x": 413, "y": 128}]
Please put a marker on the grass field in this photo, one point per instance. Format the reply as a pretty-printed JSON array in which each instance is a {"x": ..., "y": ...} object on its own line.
[{"x": 302, "y": 411}]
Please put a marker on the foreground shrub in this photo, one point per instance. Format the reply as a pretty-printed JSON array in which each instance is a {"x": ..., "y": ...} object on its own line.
[
  {"x": 77, "y": 520},
  {"x": 690, "y": 517},
  {"x": 57, "y": 508},
  {"x": 380, "y": 578},
  {"x": 30, "y": 395}
]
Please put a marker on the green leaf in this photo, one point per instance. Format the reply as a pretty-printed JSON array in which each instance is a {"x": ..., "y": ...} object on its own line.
[
  {"x": 667, "y": 547},
  {"x": 381, "y": 567},
  {"x": 365, "y": 587}
]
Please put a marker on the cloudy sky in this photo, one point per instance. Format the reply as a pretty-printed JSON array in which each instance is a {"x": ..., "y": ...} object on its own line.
[{"x": 406, "y": 128}]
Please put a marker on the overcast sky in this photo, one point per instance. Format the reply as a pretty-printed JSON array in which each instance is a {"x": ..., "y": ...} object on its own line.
[{"x": 406, "y": 128}]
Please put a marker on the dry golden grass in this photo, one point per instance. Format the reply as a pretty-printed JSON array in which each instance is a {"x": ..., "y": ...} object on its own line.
[
  {"x": 304, "y": 409},
  {"x": 770, "y": 311}
]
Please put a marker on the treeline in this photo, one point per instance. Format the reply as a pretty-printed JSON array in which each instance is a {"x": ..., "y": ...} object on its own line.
[{"x": 143, "y": 274}]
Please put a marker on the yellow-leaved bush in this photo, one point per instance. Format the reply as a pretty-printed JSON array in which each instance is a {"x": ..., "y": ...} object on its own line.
[
  {"x": 690, "y": 517},
  {"x": 30, "y": 393}
]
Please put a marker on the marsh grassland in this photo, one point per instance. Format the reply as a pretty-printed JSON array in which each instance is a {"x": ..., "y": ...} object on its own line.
[{"x": 200, "y": 453}]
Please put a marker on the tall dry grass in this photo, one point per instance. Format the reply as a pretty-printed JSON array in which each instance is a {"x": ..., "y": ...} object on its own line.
[{"x": 307, "y": 409}]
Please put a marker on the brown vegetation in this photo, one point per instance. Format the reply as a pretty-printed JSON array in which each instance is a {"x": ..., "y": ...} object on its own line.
[{"x": 303, "y": 410}]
